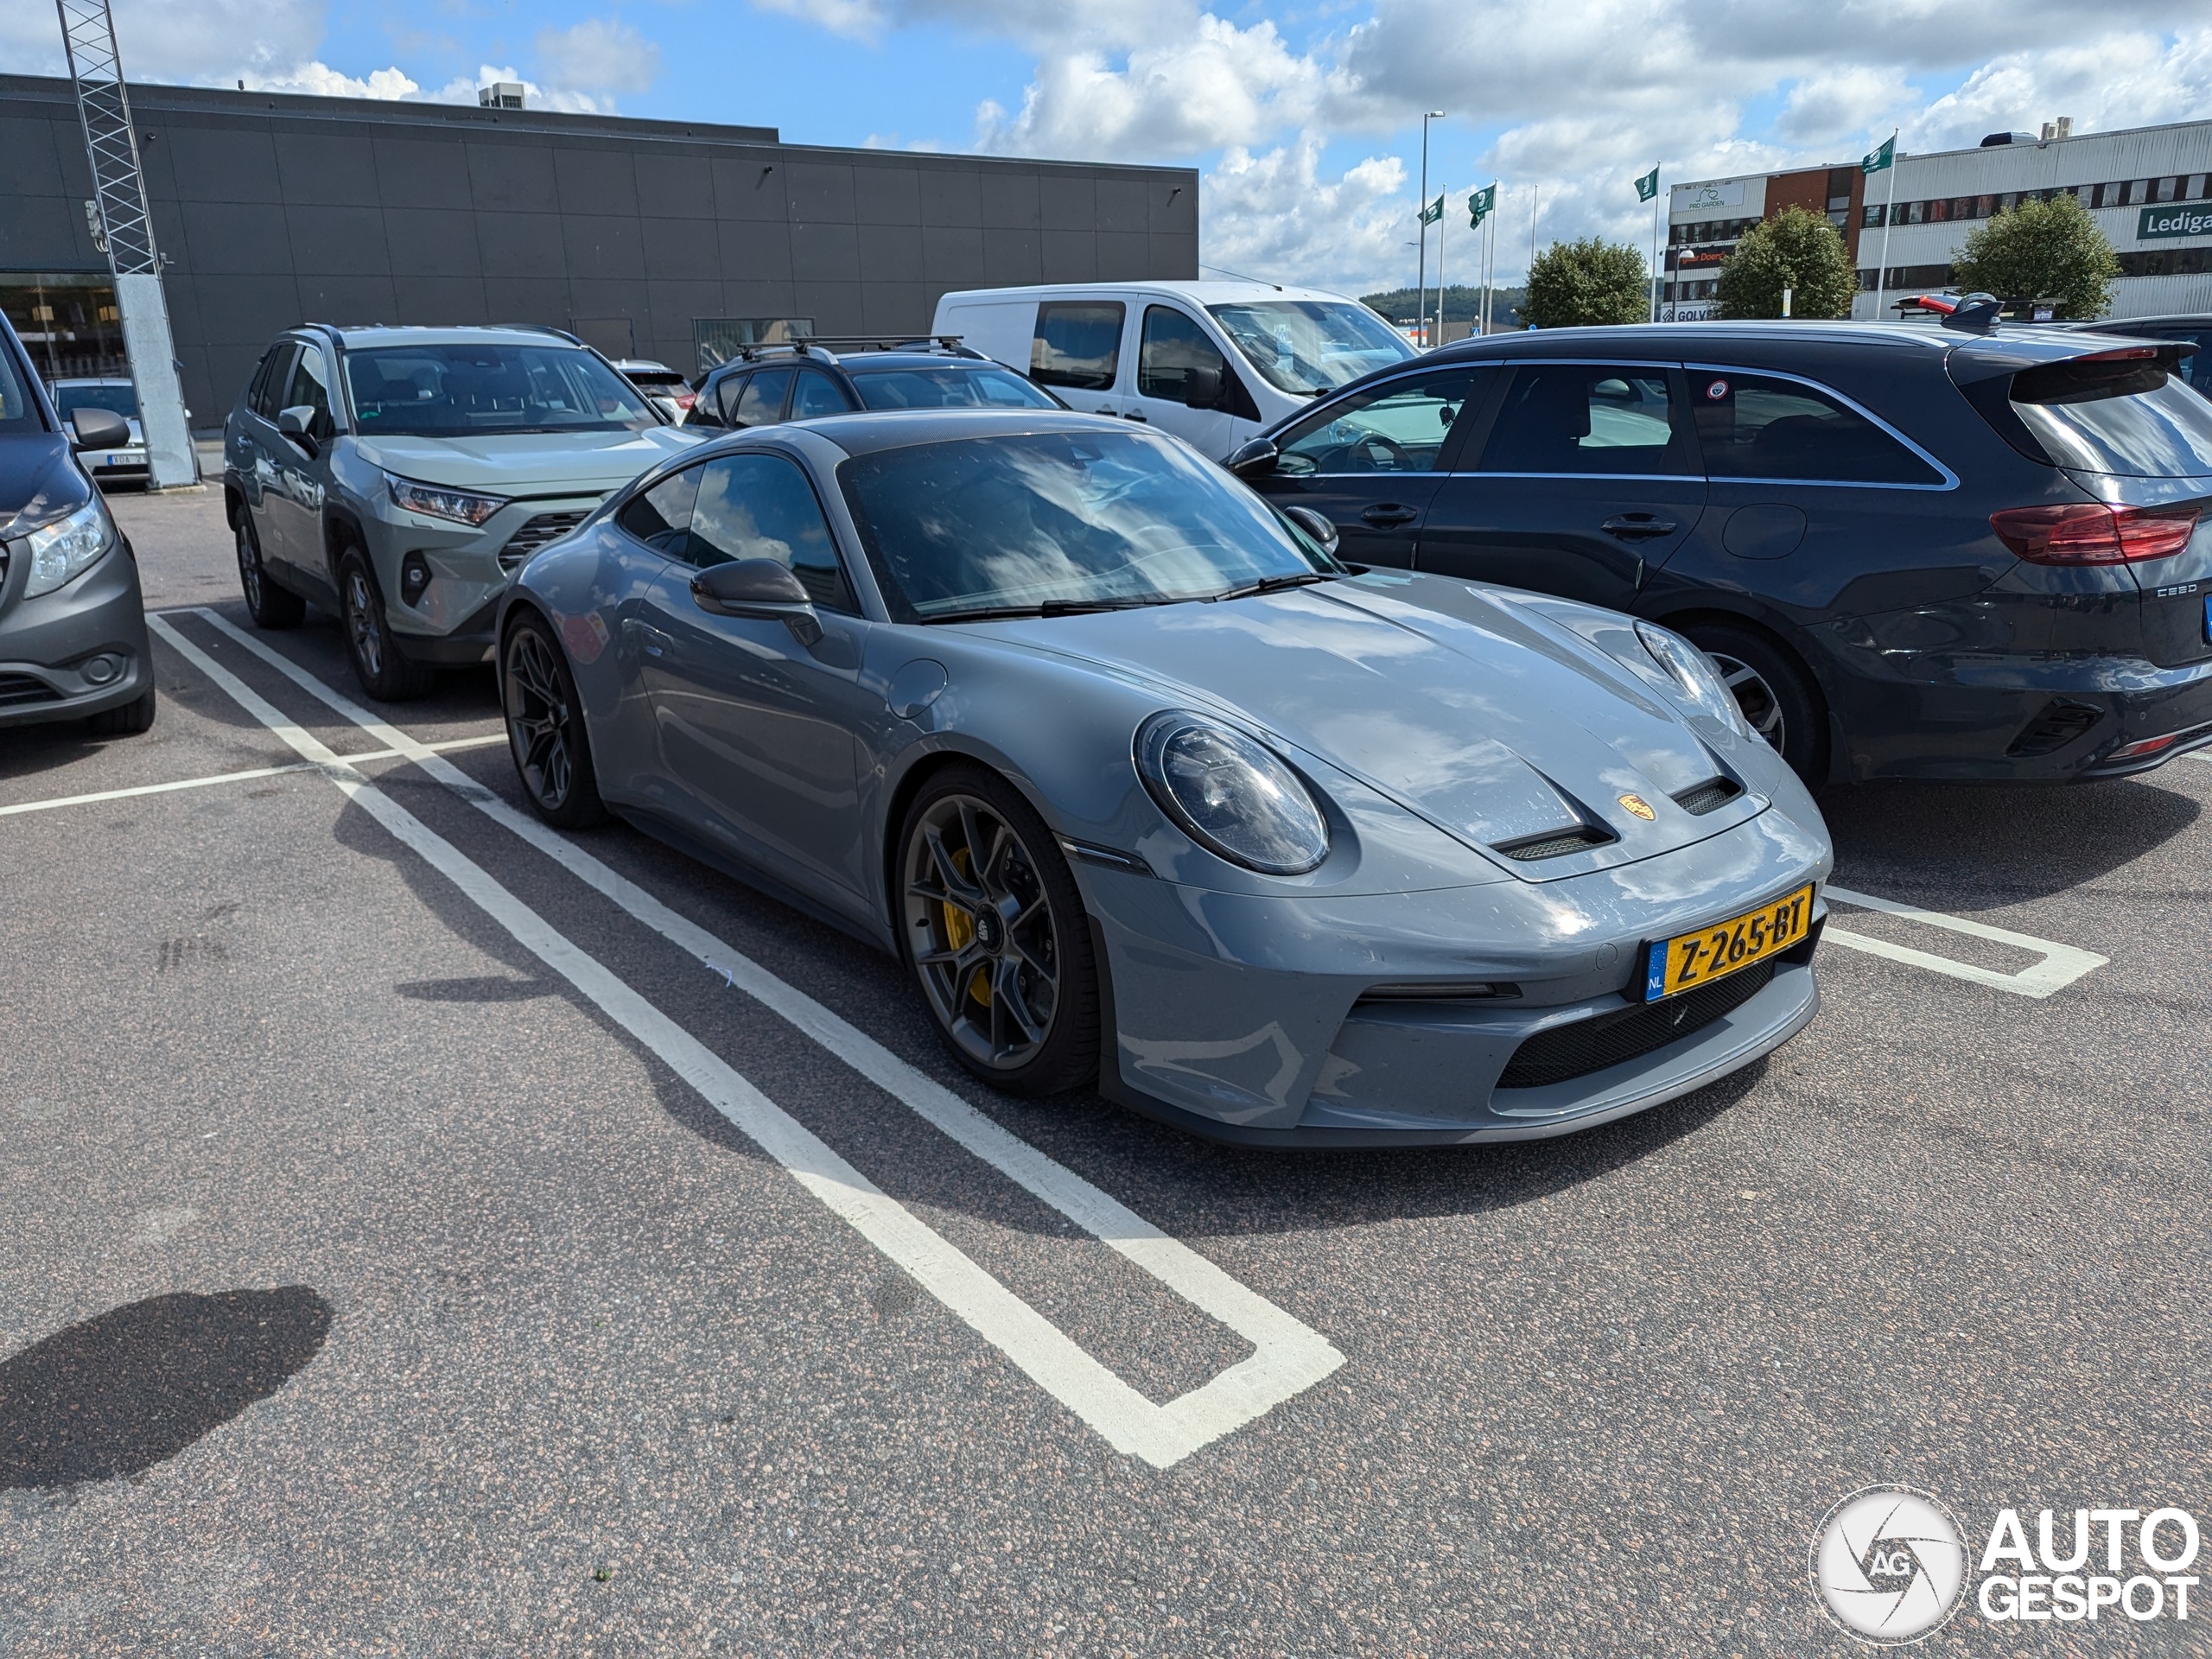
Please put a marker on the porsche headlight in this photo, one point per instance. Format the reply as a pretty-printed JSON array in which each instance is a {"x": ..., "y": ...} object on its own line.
[
  {"x": 65, "y": 550},
  {"x": 1690, "y": 669},
  {"x": 439, "y": 501},
  {"x": 1231, "y": 795}
]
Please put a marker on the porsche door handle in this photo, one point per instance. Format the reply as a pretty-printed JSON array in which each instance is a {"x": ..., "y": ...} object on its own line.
[
  {"x": 651, "y": 640},
  {"x": 1383, "y": 514},
  {"x": 1636, "y": 526}
]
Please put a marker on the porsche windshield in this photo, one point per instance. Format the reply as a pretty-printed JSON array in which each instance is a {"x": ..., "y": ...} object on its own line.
[
  {"x": 465, "y": 390},
  {"x": 1311, "y": 346},
  {"x": 1048, "y": 522}
]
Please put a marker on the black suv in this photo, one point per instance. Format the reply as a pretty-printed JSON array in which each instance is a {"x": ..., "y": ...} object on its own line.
[
  {"x": 1914, "y": 552},
  {"x": 2184, "y": 328},
  {"x": 805, "y": 379}
]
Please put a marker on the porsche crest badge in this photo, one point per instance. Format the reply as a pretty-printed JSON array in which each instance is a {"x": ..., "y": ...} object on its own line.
[{"x": 1638, "y": 805}]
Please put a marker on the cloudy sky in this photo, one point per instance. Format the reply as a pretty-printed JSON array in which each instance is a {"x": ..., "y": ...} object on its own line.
[{"x": 1304, "y": 117}]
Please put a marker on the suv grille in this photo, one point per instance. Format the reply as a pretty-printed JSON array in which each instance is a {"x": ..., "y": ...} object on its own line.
[
  {"x": 17, "y": 689},
  {"x": 1592, "y": 1044},
  {"x": 1556, "y": 843},
  {"x": 1703, "y": 798},
  {"x": 534, "y": 533}
]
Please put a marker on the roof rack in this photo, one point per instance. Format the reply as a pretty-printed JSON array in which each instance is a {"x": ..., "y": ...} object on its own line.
[{"x": 809, "y": 345}]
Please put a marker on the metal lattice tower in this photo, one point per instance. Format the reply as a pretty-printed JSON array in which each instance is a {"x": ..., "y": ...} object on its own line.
[{"x": 110, "y": 142}]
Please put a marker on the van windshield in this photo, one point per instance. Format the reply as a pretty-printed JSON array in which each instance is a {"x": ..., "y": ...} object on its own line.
[
  {"x": 458, "y": 390},
  {"x": 1305, "y": 346},
  {"x": 2128, "y": 414}
]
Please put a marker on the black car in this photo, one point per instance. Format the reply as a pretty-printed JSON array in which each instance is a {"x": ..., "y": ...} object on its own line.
[
  {"x": 1912, "y": 552},
  {"x": 799, "y": 381},
  {"x": 73, "y": 625},
  {"x": 2185, "y": 328}
]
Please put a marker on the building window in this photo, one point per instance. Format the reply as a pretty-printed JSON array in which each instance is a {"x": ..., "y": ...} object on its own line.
[
  {"x": 1872, "y": 217},
  {"x": 2196, "y": 186},
  {"x": 69, "y": 324},
  {"x": 2168, "y": 188}
]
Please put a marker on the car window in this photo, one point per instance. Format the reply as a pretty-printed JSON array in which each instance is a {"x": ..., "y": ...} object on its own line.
[
  {"x": 117, "y": 397},
  {"x": 1397, "y": 427},
  {"x": 990, "y": 387},
  {"x": 1755, "y": 426},
  {"x": 1587, "y": 418},
  {"x": 762, "y": 402},
  {"x": 2128, "y": 416},
  {"x": 817, "y": 394},
  {"x": 661, "y": 516},
  {"x": 462, "y": 390},
  {"x": 17, "y": 412},
  {"x": 1076, "y": 344},
  {"x": 275, "y": 376},
  {"x": 762, "y": 507},
  {"x": 1172, "y": 345},
  {"x": 309, "y": 388}
]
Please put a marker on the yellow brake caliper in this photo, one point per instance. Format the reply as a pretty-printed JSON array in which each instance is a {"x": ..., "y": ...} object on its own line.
[{"x": 960, "y": 933}]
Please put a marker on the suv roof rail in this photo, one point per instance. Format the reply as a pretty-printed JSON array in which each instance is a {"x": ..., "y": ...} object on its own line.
[{"x": 810, "y": 345}]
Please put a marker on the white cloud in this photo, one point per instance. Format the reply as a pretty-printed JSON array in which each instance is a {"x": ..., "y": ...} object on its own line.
[
  {"x": 318, "y": 79},
  {"x": 1259, "y": 213},
  {"x": 600, "y": 56}
]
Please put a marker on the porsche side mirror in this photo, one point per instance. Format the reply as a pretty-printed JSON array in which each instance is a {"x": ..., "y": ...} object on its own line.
[
  {"x": 1201, "y": 388},
  {"x": 1314, "y": 524},
  {"x": 297, "y": 423},
  {"x": 98, "y": 428},
  {"x": 764, "y": 589},
  {"x": 1253, "y": 459}
]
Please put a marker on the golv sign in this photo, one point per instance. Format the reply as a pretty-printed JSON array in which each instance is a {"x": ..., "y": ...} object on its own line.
[{"x": 2154, "y": 223}]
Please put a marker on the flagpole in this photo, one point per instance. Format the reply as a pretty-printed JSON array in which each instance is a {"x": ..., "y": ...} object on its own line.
[
  {"x": 1420, "y": 217},
  {"x": 1439, "y": 270},
  {"x": 1654, "y": 244},
  {"x": 1889, "y": 212}
]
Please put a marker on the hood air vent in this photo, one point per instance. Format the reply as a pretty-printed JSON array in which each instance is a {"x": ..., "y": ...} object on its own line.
[
  {"x": 1556, "y": 843},
  {"x": 1701, "y": 798}
]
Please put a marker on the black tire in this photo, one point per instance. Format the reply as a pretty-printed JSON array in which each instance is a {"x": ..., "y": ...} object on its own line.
[
  {"x": 131, "y": 720},
  {"x": 384, "y": 672},
  {"x": 545, "y": 728},
  {"x": 993, "y": 928},
  {"x": 1776, "y": 695},
  {"x": 270, "y": 605}
]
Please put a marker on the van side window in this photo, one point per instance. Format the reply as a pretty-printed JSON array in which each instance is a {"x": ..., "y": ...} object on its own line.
[
  {"x": 1077, "y": 343},
  {"x": 1172, "y": 346},
  {"x": 1755, "y": 426}
]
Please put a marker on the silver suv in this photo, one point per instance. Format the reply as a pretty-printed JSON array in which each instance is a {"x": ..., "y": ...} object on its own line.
[{"x": 399, "y": 478}]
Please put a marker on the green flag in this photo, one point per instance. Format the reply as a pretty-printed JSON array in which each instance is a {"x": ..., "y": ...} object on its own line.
[
  {"x": 1434, "y": 211},
  {"x": 1648, "y": 186},
  {"x": 1481, "y": 206},
  {"x": 1886, "y": 155}
]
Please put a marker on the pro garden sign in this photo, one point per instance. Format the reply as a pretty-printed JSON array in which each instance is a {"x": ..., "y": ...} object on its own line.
[{"x": 2156, "y": 223}]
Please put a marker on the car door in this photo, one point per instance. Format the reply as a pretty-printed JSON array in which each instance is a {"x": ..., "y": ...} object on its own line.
[
  {"x": 1371, "y": 462},
  {"x": 757, "y": 727},
  {"x": 1585, "y": 480},
  {"x": 1171, "y": 344},
  {"x": 257, "y": 437},
  {"x": 292, "y": 511},
  {"x": 1077, "y": 351}
]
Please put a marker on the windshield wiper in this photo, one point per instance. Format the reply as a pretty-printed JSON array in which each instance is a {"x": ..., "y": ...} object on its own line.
[
  {"x": 1276, "y": 584},
  {"x": 1056, "y": 607}
]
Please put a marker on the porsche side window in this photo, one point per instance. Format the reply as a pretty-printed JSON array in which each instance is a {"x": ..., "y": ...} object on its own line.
[
  {"x": 1397, "y": 428},
  {"x": 1076, "y": 344},
  {"x": 1755, "y": 426},
  {"x": 661, "y": 516},
  {"x": 762, "y": 507},
  {"x": 1580, "y": 418}
]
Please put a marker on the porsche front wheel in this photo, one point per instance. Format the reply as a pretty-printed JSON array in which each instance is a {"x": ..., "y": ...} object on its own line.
[{"x": 993, "y": 931}]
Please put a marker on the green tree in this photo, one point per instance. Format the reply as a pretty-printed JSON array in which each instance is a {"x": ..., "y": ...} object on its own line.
[
  {"x": 1573, "y": 284},
  {"x": 1798, "y": 249},
  {"x": 2041, "y": 251}
]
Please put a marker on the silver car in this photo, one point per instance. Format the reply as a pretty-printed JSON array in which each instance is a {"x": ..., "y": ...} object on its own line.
[
  {"x": 399, "y": 477},
  {"x": 122, "y": 463},
  {"x": 1143, "y": 786}
]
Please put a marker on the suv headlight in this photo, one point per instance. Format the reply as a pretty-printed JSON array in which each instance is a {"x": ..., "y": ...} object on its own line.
[
  {"x": 65, "y": 550},
  {"x": 438, "y": 501},
  {"x": 1230, "y": 795},
  {"x": 1693, "y": 670}
]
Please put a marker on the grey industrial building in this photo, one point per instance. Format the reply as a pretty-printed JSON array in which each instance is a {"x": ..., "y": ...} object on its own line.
[{"x": 667, "y": 239}]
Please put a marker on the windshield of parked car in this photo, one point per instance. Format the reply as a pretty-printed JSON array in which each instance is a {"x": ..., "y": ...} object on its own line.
[
  {"x": 2130, "y": 415},
  {"x": 948, "y": 388},
  {"x": 118, "y": 397},
  {"x": 467, "y": 390},
  {"x": 17, "y": 413},
  {"x": 1311, "y": 346},
  {"x": 1062, "y": 521}
]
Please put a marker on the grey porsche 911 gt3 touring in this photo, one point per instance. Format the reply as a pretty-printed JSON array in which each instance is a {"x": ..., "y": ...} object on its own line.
[{"x": 1142, "y": 786}]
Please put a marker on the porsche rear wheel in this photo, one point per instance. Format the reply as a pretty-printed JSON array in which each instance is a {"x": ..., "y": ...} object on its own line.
[{"x": 993, "y": 930}]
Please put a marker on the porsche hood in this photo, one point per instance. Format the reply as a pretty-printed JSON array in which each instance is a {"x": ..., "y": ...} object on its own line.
[{"x": 1500, "y": 728}]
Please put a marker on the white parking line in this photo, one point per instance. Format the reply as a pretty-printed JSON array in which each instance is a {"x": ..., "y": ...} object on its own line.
[
  {"x": 248, "y": 776},
  {"x": 2061, "y": 966},
  {"x": 1289, "y": 1356}
]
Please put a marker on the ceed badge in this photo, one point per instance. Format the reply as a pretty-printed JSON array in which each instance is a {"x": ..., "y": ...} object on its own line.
[{"x": 1638, "y": 805}]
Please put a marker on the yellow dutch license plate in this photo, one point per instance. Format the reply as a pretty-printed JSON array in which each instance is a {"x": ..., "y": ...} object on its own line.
[{"x": 1689, "y": 960}]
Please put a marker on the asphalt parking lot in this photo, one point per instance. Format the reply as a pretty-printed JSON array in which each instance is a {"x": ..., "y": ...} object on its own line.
[{"x": 424, "y": 1239}]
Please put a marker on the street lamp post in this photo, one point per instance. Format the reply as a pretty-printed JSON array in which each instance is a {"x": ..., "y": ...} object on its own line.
[{"x": 1420, "y": 209}]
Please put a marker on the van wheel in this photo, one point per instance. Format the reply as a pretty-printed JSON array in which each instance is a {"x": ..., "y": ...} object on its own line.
[
  {"x": 385, "y": 674},
  {"x": 1778, "y": 697},
  {"x": 270, "y": 605}
]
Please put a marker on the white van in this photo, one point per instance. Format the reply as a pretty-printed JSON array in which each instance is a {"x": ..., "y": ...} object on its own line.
[{"x": 1214, "y": 363}]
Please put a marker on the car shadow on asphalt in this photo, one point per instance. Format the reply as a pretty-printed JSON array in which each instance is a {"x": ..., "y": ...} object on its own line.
[{"x": 1956, "y": 847}]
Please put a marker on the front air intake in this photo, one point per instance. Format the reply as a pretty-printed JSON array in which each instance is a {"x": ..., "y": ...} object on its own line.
[
  {"x": 1556, "y": 843},
  {"x": 1573, "y": 1051},
  {"x": 1704, "y": 797}
]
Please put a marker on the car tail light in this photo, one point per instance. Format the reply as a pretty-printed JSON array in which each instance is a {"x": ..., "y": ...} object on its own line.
[
  {"x": 685, "y": 399},
  {"x": 2137, "y": 750},
  {"x": 2090, "y": 533}
]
